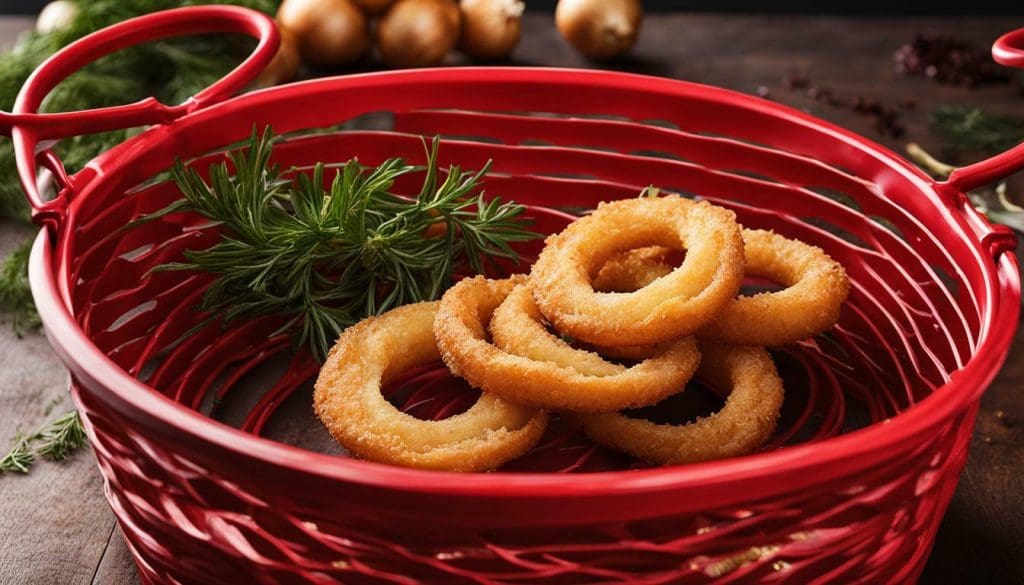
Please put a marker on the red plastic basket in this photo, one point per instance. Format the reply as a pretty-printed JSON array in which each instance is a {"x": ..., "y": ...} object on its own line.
[{"x": 879, "y": 411}]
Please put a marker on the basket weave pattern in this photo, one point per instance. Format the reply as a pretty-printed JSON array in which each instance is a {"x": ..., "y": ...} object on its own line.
[
  {"x": 185, "y": 522},
  {"x": 201, "y": 510},
  {"x": 878, "y": 411}
]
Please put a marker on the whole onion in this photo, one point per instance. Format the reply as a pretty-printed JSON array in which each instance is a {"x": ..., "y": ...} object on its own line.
[
  {"x": 285, "y": 64},
  {"x": 330, "y": 33},
  {"x": 418, "y": 33},
  {"x": 600, "y": 29},
  {"x": 490, "y": 28},
  {"x": 56, "y": 15}
]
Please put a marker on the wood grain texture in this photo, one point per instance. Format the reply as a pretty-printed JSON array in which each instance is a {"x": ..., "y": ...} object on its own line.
[
  {"x": 58, "y": 512},
  {"x": 55, "y": 526},
  {"x": 117, "y": 567}
]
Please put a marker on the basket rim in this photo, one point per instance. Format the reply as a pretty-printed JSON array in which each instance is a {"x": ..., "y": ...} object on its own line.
[{"x": 1000, "y": 296}]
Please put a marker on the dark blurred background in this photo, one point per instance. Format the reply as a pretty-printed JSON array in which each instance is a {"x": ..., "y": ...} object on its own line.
[{"x": 781, "y": 6}]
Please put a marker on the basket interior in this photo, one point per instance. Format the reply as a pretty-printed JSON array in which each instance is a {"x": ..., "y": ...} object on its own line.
[{"x": 911, "y": 320}]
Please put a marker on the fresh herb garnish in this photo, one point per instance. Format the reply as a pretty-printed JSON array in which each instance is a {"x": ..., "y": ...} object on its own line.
[
  {"x": 19, "y": 458},
  {"x": 56, "y": 441},
  {"x": 62, "y": 437},
  {"x": 975, "y": 131},
  {"x": 327, "y": 257}
]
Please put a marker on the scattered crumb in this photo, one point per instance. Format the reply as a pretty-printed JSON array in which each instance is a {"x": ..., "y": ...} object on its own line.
[
  {"x": 950, "y": 60},
  {"x": 1004, "y": 419},
  {"x": 886, "y": 118},
  {"x": 796, "y": 80}
]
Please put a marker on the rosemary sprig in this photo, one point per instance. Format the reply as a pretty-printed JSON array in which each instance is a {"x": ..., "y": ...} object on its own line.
[
  {"x": 62, "y": 437},
  {"x": 55, "y": 441},
  {"x": 19, "y": 458},
  {"x": 975, "y": 131},
  {"x": 326, "y": 257}
]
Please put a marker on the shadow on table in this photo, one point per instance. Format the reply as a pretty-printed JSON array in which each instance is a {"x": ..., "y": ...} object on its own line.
[
  {"x": 968, "y": 553},
  {"x": 626, "y": 63}
]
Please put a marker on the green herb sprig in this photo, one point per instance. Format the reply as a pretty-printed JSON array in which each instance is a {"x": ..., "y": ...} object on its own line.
[
  {"x": 55, "y": 441},
  {"x": 327, "y": 257},
  {"x": 62, "y": 437},
  {"x": 19, "y": 458},
  {"x": 975, "y": 131}
]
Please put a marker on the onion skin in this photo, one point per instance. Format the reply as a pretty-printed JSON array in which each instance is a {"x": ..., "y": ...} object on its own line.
[
  {"x": 490, "y": 28},
  {"x": 285, "y": 64},
  {"x": 330, "y": 33},
  {"x": 373, "y": 7},
  {"x": 418, "y": 33},
  {"x": 599, "y": 29}
]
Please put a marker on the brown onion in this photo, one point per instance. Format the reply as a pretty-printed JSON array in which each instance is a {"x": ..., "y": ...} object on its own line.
[
  {"x": 600, "y": 29},
  {"x": 373, "y": 7},
  {"x": 285, "y": 64},
  {"x": 330, "y": 33},
  {"x": 418, "y": 33},
  {"x": 490, "y": 28}
]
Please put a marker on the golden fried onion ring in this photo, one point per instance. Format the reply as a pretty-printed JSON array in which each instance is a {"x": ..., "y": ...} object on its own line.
[
  {"x": 461, "y": 331},
  {"x": 816, "y": 287},
  {"x": 368, "y": 354},
  {"x": 743, "y": 425},
  {"x": 631, "y": 270},
  {"x": 669, "y": 307}
]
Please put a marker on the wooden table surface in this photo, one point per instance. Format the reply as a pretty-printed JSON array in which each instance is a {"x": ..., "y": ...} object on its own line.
[{"x": 56, "y": 527}]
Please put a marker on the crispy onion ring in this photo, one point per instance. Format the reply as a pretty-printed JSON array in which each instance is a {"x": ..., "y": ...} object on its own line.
[
  {"x": 347, "y": 399},
  {"x": 668, "y": 308},
  {"x": 816, "y": 287},
  {"x": 632, "y": 269},
  {"x": 744, "y": 424},
  {"x": 461, "y": 331}
]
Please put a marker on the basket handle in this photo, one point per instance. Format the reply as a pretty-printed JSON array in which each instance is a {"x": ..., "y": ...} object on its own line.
[
  {"x": 27, "y": 127},
  {"x": 1007, "y": 50}
]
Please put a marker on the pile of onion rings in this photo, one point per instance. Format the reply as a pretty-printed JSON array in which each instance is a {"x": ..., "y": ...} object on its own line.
[{"x": 603, "y": 290}]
